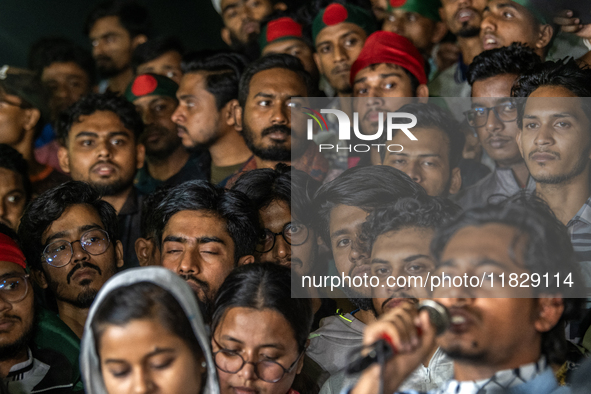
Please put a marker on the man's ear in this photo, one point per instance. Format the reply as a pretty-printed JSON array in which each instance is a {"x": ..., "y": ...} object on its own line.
[
  {"x": 423, "y": 93},
  {"x": 238, "y": 118},
  {"x": 31, "y": 118},
  {"x": 143, "y": 251},
  {"x": 546, "y": 33},
  {"x": 64, "y": 159},
  {"x": 140, "y": 155},
  {"x": 456, "y": 181},
  {"x": 119, "y": 254},
  {"x": 228, "y": 112},
  {"x": 39, "y": 277},
  {"x": 550, "y": 310},
  {"x": 246, "y": 260},
  {"x": 439, "y": 32},
  {"x": 226, "y": 37},
  {"x": 137, "y": 40}
]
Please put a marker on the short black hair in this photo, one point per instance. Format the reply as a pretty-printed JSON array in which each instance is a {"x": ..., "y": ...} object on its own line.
[
  {"x": 363, "y": 187},
  {"x": 50, "y": 205},
  {"x": 548, "y": 251},
  {"x": 266, "y": 185},
  {"x": 132, "y": 16},
  {"x": 12, "y": 160},
  {"x": 149, "y": 204},
  {"x": 277, "y": 60},
  {"x": 303, "y": 188},
  {"x": 264, "y": 286},
  {"x": 566, "y": 73},
  {"x": 47, "y": 51},
  {"x": 222, "y": 73},
  {"x": 423, "y": 212},
  {"x": 233, "y": 207},
  {"x": 433, "y": 116},
  {"x": 91, "y": 103},
  {"x": 153, "y": 49},
  {"x": 516, "y": 59}
]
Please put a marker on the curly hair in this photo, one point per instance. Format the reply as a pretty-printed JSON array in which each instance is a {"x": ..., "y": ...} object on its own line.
[{"x": 514, "y": 59}]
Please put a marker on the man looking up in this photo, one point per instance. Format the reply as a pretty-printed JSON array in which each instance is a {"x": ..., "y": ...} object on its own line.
[
  {"x": 208, "y": 96},
  {"x": 494, "y": 118},
  {"x": 559, "y": 160},
  {"x": 160, "y": 56},
  {"x": 69, "y": 236},
  {"x": 114, "y": 29},
  {"x": 274, "y": 132},
  {"x": 167, "y": 160},
  {"x": 100, "y": 145}
]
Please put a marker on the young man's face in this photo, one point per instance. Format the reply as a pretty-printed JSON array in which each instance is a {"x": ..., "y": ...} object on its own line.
[
  {"x": 462, "y": 17},
  {"x": 197, "y": 246},
  {"x": 242, "y": 18},
  {"x": 337, "y": 47},
  {"x": 417, "y": 28},
  {"x": 505, "y": 22},
  {"x": 196, "y": 116},
  {"x": 102, "y": 152},
  {"x": 78, "y": 281},
  {"x": 267, "y": 125},
  {"x": 16, "y": 318},
  {"x": 168, "y": 64},
  {"x": 499, "y": 327},
  {"x": 13, "y": 120},
  {"x": 555, "y": 140},
  {"x": 160, "y": 133},
  {"x": 496, "y": 136},
  {"x": 383, "y": 87},
  {"x": 275, "y": 217},
  {"x": 351, "y": 255},
  {"x": 111, "y": 46},
  {"x": 297, "y": 48},
  {"x": 401, "y": 253},
  {"x": 13, "y": 198},
  {"x": 426, "y": 161},
  {"x": 67, "y": 82}
]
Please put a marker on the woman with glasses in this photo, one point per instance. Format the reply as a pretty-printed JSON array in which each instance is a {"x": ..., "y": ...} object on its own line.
[
  {"x": 145, "y": 334},
  {"x": 260, "y": 333}
]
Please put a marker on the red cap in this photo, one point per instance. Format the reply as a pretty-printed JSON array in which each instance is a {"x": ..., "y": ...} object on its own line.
[
  {"x": 283, "y": 27},
  {"x": 388, "y": 47},
  {"x": 10, "y": 252}
]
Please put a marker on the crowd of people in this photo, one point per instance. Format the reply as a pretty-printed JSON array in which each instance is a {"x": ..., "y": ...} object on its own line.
[{"x": 161, "y": 209}]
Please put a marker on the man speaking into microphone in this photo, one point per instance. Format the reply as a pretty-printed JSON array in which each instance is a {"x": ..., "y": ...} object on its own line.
[{"x": 501, "y": 339}]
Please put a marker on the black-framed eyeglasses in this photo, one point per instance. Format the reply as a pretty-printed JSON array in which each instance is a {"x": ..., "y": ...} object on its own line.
[
  {"x": 59, "y": 253},
  {"x": 14, "y": 288},
  {"x": 505, "y": 112},
  {"x": 293, "y": 233},
  {"x": 269, "y": 371}
]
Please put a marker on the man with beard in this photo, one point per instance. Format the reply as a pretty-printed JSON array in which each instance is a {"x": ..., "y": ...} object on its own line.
[
  {"x": 242, "y": 22},
  {"x": 167, "y": 160},
  {"x": 70, "y": 238},
  {"x": 115, "y": 28},
  {"x": 25, "y": 366},
  {"x": 555, "y": 142},
  {"x": 207, "y": 96},
  {"x": 274, "y": 127},
  {"x": 494, "y": 118},
  {"x": 343, "y": 205},
  {"x": 100, "y": 145},
  {"x": 462, "y": 19},
  {"x": 399, "y": 236},
  {"x": 203, "y": 232}
]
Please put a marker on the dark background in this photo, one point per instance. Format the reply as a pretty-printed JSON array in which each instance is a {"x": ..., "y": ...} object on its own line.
[{"x": 22, "y": 22}]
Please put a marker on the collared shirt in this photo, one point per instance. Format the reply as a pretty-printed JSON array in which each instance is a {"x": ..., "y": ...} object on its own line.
[
  {"x": 312, "y": 162},
  {"x": 501, "y": 182},
  {"x": 129, "y": 218},
  {"x": 579, "y": 230}
]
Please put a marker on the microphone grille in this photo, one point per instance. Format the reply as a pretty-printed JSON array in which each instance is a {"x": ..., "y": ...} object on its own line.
[{"x": 438, "y": 315}]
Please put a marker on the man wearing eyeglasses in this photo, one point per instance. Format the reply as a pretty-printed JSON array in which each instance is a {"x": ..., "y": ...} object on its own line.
[
  {"x": 26, "y": 365},
  {"x": 493, "y": 117},
  {"x": 69, "y": 236}
]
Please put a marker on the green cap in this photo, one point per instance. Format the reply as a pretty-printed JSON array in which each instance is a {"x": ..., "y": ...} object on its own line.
[
  {"x": 427, "y": 8},
  {"x": 337, "y": 13},
  {"x": 151, "y": 85},
  {"x": 536, "y": 11}
]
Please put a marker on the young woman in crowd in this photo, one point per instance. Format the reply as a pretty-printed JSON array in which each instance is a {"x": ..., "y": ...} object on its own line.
[
  {"x": 145, "y": 334},
  {"x": 260, "y": 333}
]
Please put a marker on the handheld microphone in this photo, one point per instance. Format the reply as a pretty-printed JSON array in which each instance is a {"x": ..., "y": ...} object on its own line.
[{"x": 439, "y": 318}]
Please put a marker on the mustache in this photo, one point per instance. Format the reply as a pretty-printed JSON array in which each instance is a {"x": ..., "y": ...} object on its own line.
[
  {"x": 555, "y": 154},
  {"x": 103, "y": 58},
  {"x": 202, "y": 284},
  {"x": 340, "y": 69},
  {"x": 410, "y": 298},
  {"x": 83, "y": 265},
  {"x": 98, "y": 163},
  {"x": 276, "y": 128}
]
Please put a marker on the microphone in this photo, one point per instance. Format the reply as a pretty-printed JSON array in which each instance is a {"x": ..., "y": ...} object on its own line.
[{"x": 439, "y": 318}]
